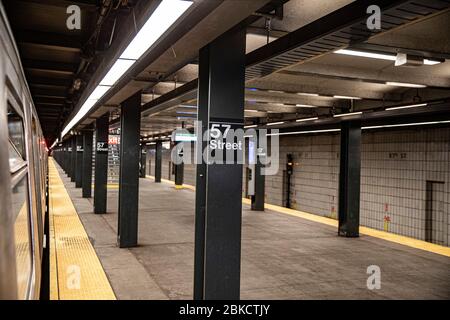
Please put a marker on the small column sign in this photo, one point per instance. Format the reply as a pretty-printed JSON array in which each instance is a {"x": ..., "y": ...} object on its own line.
[
  {"x": 102, "y": 147},
  {"x": 226, "y": 141},
  {"x": 79, "y": 148}
]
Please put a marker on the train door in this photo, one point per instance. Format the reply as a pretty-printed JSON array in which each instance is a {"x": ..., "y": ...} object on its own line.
[{"x": 436, "y": 219}]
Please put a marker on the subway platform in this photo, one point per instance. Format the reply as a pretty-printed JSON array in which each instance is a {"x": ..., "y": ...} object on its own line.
[{"x": 285, "y": 254}]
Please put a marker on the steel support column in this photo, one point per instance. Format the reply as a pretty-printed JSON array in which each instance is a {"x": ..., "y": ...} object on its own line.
[
  {"x": 64, "y": 161},
  {"x": 86, "y": 181},
  {"x": 73, "y": 158},
  {"x": 130, "y": 121},
  {"x": 158, "y": 161},
  {"x": 260, "y": 182},
  {"x": 78, "y": 160},
  {"x": 218, "y": 202},
  {"x": 101, "y": 164},
  {"x": 143, "y": 162},
  {"x": 349, "y": 179},
  {"x": 179, "y": 172}
]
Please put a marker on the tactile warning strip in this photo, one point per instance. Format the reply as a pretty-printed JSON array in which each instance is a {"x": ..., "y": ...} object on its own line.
[{"x": 75, "y": 270}]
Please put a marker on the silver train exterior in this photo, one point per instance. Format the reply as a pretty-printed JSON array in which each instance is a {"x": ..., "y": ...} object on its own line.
[{"x": 23, "y": 180}]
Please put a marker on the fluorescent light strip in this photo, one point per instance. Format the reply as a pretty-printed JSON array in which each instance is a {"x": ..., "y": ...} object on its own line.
[
  {"x": 275, "y": 123},
  {"x": 116, "y": 72},
  {"x": 249, "y": 110},
  {"x": 305, "y": 106},
  {"x": 302, "y": 132},
  {"x": 347, "y": 97},
  {"x": 365, "y": 54},
  {"x": 407, "y": 85},
  {"x": 405, "y": 125},
  {"x": 430, "y": 62},
  {"x": 347, "y": 114},
  {"x": 308, "y": 94},
  {"x": 99, "y": 92},
  {"x": 406, "y": 107},
  {"x": 186, "y": 112},
  {"x": 307, "y": 119},
  {"x": 250, "y": 126},
  {"x": 162, "y": 19},
  {"x": 159, "y": 22}
]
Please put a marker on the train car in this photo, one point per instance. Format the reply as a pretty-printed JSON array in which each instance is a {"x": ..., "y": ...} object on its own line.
[{"x": 24, "y": 177}]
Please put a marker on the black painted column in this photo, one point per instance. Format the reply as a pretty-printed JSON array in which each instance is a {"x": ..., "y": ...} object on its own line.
[
  {"x": 68, "y": 156},
  {"x": 73, "y": 160},
  {"x": 158, "y": 161},
  {"x": 78, "y": 161},
  {"x": 130, "y": 125},
  {"x": 219, "y": 186},
  {"x": 179, "y": 169},
  {"x": 349, "y": 178},
  {"x": 64, "y": 156},
  {"x": 86, "y": 181},
  {"x": 260, "y": 182},
  {"x": 101, "y": 164},
  {"x": 143, "y": 162}
]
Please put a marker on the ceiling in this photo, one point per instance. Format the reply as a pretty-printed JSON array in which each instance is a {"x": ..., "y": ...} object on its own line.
[
  {"x": 278, "y": 87},
  {"x": 58, "y": 62},
  {"x": 308, "y": 88}
]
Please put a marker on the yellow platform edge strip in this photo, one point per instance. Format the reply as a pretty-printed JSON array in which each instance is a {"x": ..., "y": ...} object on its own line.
[
  {"x": 75, "y": 270},
  {"x": 406, "y": 241}
]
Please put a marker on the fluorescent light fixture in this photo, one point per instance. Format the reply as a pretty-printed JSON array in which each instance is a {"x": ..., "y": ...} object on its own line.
[
  {"x": 186, "y": 112},
  {"x": 186, "y": 118},
  {"x": 54, "y": 143},
  {"x": 305, "y": 106},
  {"x": 162, "y": 18},
  {"x": 430, "y": 62},
  {"x": 275, "y": 123},
  {"x": 187, "y": 106},
  {"x": 347, "y": 97},
  {"x": 249, "y": 110},
  {"x": 99, "y": 92},
  {"x": 150, "y": 143},
  {"x": 275, "y": 91},
  {"x": 167, "y": 12},
  {"x": 117, "y": 71},
  {"x": 347, "y": 114},
  {"x": 366, "y": 54},
  {"x": 250, "y": 126},
  {"x": 308, "y": 94},
  {"x": 303, "y": 132},
  {"x": 88, "y": 104},
  {"x": 307, "y": 119},
  {"x": 405, "y": 125},
  {"x": 408, "y": 106},
  {"x": 407, "y": 85}
]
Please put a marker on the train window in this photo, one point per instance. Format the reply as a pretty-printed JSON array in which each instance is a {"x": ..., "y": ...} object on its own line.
[
  {"x": 22, "y": 232},
  {"x": 16, "y": 130}
]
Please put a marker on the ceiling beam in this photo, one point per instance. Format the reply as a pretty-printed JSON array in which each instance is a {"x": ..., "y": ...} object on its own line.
[
  {"x": 48, "y": 40},
  {"x": 49, "y": 66}
]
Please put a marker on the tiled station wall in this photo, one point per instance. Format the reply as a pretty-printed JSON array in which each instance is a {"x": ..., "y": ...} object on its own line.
[{"x": 396, "y": 166}]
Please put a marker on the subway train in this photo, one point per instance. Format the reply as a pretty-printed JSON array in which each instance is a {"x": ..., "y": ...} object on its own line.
[{"x": 24, "y": 181}]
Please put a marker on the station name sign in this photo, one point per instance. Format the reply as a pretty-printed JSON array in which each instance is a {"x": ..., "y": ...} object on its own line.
[{"x": 102, "y": 147}]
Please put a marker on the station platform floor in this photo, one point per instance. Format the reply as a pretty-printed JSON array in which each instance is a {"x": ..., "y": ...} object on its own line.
[{"x": 283, "y": 256}]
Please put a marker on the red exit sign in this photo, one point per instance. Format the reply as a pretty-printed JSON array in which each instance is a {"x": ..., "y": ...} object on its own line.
[{"x": 113, "y": 140}]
